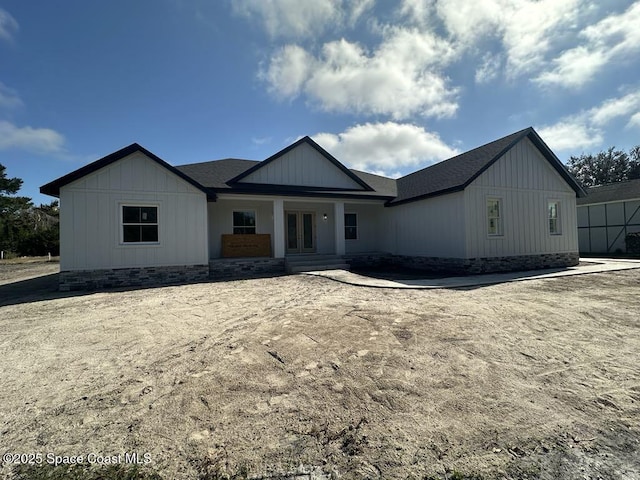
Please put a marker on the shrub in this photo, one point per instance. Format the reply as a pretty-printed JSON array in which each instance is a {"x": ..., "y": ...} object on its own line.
[{"x": 633, "y": 242}]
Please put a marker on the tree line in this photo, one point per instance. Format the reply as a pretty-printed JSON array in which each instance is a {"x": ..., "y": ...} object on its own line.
[
  {"x": 608, "y": 166},
  {"x": 26, "y": 230}
]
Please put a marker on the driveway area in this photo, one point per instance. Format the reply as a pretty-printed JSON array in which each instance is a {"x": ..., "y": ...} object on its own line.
[
  {"x": 532, "y": 379},
  {"x": 591, "y": 265}
]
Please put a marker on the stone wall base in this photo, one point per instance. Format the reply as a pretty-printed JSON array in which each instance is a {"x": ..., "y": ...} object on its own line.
[
  {"x": 245, "y": 267},
  {"x": 488, "y": 264},
  {"x": 368, "y": 260},
  {"x": 132, "y": 277},
  {"x": 251, "y": 267}
]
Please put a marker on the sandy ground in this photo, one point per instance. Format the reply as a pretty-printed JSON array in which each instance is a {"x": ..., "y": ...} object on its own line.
[{"x": 538, "y": 379}]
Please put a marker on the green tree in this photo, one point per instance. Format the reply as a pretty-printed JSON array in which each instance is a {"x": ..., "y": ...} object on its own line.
[
  {"x": 608, "y": 166},
  {"x": 25, "y": 229},
  {"x": 40, "y": 231},
  {"x": 11, "y": 208}
]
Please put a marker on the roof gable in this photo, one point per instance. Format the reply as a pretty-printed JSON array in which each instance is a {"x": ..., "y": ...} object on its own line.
[
  {"x": 456, "y": 173},
  {"x": 303, "y": 164},
  {"x": 53, "y": 188},
  {"x": 523, "y": 167}
]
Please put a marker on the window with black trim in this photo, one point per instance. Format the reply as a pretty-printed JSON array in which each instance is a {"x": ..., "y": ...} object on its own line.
[
  {"x": 244, "y": 222},
  {"x": 139, "y": 224},
  {"x": 350, "y": 226}
]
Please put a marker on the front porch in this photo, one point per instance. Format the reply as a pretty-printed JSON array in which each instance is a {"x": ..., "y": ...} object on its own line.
[
  {"x": 225, "y": 268},
  {"x": 293, "y": 226}
]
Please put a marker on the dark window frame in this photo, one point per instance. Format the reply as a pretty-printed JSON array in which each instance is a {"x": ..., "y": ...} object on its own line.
[
  {"x": 139, "y": 224},
  {"x": 351, "y": 230},
  {"x": 242, "y": 227}
]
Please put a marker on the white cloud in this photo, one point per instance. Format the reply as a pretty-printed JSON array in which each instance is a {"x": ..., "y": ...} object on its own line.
[
  {"x": 489, "y": 69},
  {"x": 586, "y": 128},
  {"x": 527, "y": 29},
  {"x": 296, "y": 19},
  {"x": 288, "y": 71},
  {"x": 385, "y": 148},
  {"x": 417, "y": 10},
  {"x": 634, "y": 121},
  {"x": 35, "y": 140},
  {"x": 8, "y": 97},
  {"x": 570, "y": 134},
  {"x": 613, "y": 108},
  {"x": 8, "y": 25},
  {"x": 400, "y": 79},
  {"x": 573, "y": 68},
  {"x": 614, "y": 38}
]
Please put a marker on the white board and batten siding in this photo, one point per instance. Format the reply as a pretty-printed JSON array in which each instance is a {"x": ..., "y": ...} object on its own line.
[
  {"x": 369, "y": 228},
  {"x": 525, "y": 182},
  {"x": 91, "y": 224},
  {"x": 302, "y": 166},
  {"x": 434, "y": 227}
]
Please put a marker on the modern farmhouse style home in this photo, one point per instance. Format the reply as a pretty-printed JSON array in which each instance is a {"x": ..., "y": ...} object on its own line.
[{"x": 131, "y": 218}]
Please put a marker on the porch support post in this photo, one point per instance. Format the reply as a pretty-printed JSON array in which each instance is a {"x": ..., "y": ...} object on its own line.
[
  {"x": 278, "y": 228},
  {"x": 338, "y": 213}
]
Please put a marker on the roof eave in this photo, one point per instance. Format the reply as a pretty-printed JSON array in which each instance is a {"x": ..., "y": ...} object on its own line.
[
  {"x": 457, "y": 188},
  {"x": 302, "y": 193},
  {"x": 556, "y": 163},
  {"x": 53, "y": 188}
]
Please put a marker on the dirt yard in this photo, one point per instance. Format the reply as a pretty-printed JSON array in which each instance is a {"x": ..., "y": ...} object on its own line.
[{"x": 536, "y": 379}]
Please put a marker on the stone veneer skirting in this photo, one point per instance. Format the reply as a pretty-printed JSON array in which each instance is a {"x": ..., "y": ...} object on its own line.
[
  {"x": 488, "y": 264},
  {"x": 132, "y": 277},
  {"x": 247, "y": 267},
  {"x": 220, "y": 268}
]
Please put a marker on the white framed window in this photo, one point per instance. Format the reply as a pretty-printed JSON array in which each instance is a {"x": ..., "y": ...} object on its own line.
[
  {"x": 351, "y": 226},
  {"x": 494, "y": 217},
  {"x": 139, "y": 224},
  {"x": 553, "y": 209},
  {"x": 244, "y": 222}
]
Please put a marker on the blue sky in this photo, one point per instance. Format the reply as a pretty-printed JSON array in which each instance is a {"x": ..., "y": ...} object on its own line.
[{"x": 387, "y": 87}]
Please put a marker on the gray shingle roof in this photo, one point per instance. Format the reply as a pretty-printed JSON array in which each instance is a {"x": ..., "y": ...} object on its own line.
[
  {"x": 458, "y": 172},
  {"x": 611, "y": 193},
  {"x": 444, "y": 177},
  {"x": 215, "y": 175}
]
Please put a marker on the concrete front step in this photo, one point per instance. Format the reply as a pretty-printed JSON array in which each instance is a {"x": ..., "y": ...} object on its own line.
[{"x": 310, "y": 263}]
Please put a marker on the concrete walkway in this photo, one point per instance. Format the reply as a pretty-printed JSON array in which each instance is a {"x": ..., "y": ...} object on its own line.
[{"x": 591, "y": 265}]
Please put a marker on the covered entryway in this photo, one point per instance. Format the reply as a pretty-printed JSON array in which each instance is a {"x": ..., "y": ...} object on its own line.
[{"x": 300, "y": 232}]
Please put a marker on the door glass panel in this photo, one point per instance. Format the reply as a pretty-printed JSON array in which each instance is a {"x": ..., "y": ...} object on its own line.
[
  {"x": 307, "y": 230},
  {"x": 292, "y": 231}
]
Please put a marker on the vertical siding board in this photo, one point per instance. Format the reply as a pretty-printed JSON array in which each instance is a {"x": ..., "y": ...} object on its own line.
[
  {"x": 90, "y": 219},
  {"x": 302, "y": 166},
  {"x": 432, "y": 227},
  {"x": 524, "y": 207},
  {"x": 67, "y": 240}
]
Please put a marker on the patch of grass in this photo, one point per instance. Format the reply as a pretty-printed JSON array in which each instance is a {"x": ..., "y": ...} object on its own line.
[
  {"x": 12, "y": 259},
  {"x": 82, "y": 472}
]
